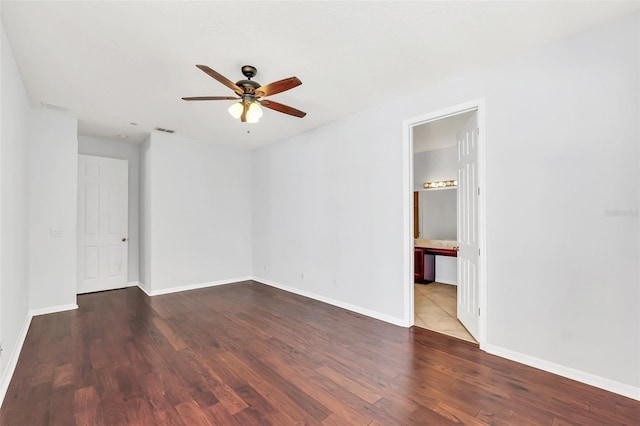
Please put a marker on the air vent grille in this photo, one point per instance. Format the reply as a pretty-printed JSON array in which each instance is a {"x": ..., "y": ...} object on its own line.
[{"x": 160, "y": 129}]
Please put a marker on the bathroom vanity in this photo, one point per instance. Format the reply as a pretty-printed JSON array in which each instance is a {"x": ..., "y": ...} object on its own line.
[{"x": 424, "y": 257}]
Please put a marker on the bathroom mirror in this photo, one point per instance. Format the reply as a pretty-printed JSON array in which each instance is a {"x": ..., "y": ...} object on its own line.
[{"x": 438, "y": 214}]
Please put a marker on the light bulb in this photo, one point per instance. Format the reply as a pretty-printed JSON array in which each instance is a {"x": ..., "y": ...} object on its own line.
[
  {"x": 254, "y": 113},
  {"x": 236, "y": 110}
]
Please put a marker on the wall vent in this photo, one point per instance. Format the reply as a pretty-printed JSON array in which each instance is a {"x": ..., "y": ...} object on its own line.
[{"x": 160, "y": 129}]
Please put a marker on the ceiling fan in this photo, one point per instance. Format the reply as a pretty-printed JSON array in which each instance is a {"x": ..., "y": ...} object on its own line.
[{"x": 250, "y": 94}]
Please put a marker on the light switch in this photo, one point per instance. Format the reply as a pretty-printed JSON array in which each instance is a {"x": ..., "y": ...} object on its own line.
[{"x": 55, "y": 233}]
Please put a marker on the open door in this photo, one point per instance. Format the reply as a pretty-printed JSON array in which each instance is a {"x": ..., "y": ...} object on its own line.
[{"x": 468, "y": 300}]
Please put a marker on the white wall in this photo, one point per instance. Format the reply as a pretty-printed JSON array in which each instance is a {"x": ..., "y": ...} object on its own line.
[
  {"x": 53, "y": 195},
  {"x": 124, "y": 151},
  {"x": 562, "y": 148},
  {"x": 14, "y": 119},
  {"x": 434, "y": 166},
  {"x": 447, "y": 270},
  {"x": 327, "y": 214},
  {"x": 144, "y": 249},
  {"x": 197, "y": 221}
]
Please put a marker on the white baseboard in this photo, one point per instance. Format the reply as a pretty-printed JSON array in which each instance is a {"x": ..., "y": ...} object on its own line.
[
  {"x": 142, "y": 287},
  {"x": 338, "y": 303},
  {"x": 191, "y": 286},
  {"x": 52, "y": 309},
  {"x": 561, "y": 370},
  {"x": 13, "y": 358},
  {"x": 15, "y": 353},
  {"x": 133, "y": 284}
]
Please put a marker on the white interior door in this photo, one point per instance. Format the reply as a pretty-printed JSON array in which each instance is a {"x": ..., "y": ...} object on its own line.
[
  {"x": 468, "y": 300},
  {"x": 102, "y": 223}
]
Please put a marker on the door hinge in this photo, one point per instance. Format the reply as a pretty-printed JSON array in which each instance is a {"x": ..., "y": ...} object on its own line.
[
  {"x": 478, "y": 191},
  {"x": 478, "y": 131},
  {"x": 478, "y": 252},
  {"x": 478, "y": 311}
]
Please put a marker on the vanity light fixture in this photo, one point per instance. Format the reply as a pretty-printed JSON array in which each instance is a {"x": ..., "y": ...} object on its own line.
[{"x": 441, "y": 184}]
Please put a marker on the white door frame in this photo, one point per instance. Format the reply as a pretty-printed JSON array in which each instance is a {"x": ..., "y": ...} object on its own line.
[{"x": 407, "y": 166}]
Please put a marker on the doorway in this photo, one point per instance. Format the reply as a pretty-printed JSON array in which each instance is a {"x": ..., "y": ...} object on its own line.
[
  {"x": 102, "y": 223},
  {"x": 435, "y": 160},
  {"x": 469, "y": 265}
]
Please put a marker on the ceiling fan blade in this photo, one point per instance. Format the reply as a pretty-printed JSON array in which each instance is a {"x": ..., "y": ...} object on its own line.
[
  {"x": 282, "y": 108},
  {"x": 222, "y": 79},
  {"x": 209, "y": 98},
  {"x": 277, "y": 87}
]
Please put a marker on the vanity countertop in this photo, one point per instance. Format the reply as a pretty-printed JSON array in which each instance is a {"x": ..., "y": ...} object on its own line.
[{"x": 436, "y": 244}]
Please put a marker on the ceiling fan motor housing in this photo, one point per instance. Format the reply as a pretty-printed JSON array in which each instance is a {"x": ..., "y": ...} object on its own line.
[
  {"x": 249, "y": 71},
  {"x": 249, "y": 86}
]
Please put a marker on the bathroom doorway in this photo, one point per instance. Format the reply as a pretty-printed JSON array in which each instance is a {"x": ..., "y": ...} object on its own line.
[{"x": 445, "y": 293}]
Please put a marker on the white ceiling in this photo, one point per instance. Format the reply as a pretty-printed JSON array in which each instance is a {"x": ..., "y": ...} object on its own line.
[
  {"x": 113, "y": 63},
  {"x": 438, "y": 134}
]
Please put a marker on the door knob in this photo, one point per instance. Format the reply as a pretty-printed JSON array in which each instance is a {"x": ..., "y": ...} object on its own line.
[{"x": 124, "y": 240}]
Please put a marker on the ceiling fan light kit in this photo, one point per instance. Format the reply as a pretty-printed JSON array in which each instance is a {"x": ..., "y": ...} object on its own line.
[
  {"x": 236, "y": 110},
  {"x": 250, "y": 93},
  {"x": 254, "y": 113}
]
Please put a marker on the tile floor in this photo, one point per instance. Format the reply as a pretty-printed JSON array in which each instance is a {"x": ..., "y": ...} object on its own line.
[{"x": 435, "y": 309}]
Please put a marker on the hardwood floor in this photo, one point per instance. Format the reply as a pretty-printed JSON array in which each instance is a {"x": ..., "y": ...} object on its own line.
[{"x": 245, "y": 354}]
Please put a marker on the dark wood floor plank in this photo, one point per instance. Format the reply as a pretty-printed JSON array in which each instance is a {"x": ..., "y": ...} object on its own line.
[
  {"x": 495, "y": 415},
  {"x": 88, "y": 407},
  {"x": 208, "y": 389},
  {"x": 246, "y": 354},
  {"x": 399, "y": 406},
  {"x": 172, "y": 337},
  {"x": 39, "y": 404},
  {"x": 348, "y": 384},
  {"x": 258, "y": 403},
  {"x": 128, "y": 382},
  {"x": 114, "y": 408},
  {"x": 169, "y": 418},
  {"x": 63, "y": 375},
  {"x": 237, "y": 373},
  {"x": 281, "y": 391},
  {"x": 311, "y": 391},
  {"x": 456, "y": 415},
  {"x": 220, "y": 416},
  {"x": 61, "y": 406},
  {"x": 138, "y": 411},
  {"x": 192, "y": 414}
]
